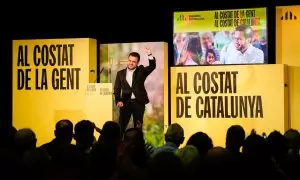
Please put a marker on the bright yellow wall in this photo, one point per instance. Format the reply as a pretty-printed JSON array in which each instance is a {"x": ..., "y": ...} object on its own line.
[
  {"x": 99, "y": 104},
  {"x": 41, "y": 109},
  {"x": 267, "y": 81},
  {"x": 288, "y": 52}
]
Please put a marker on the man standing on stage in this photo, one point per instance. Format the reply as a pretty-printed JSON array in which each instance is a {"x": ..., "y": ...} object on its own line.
[{"x": 129, "y": 89}]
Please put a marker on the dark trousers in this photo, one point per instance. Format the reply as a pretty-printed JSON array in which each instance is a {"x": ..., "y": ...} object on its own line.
[{"x": 131, "y": 107}]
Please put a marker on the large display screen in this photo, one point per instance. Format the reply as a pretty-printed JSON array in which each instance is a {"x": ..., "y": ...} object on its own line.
[{"x": 237, "y": 36}]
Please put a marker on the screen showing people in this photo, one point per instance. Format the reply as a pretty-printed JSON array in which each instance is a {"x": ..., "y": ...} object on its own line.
[{"x": 220, "y": 37}]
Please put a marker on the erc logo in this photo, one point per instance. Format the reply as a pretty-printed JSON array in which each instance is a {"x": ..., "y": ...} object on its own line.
[
  {"x": 182, "y": 17},
  {"x": 289, "y": 16}
]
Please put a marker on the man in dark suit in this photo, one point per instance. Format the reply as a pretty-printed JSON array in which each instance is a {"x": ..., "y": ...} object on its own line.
[{"x": 129, "y": 90}]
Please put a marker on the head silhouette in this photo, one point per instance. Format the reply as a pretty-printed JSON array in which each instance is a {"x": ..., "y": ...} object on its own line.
[
  {"x": 110, "y": 131},
  {"x": 293, "y": 139},
  {"x": 235, "y": 138},
  {"x": 201, "y": 141},
  {"x": 277, "y": 144},
  {"x": 64, "y": 131},
  {"x": 84, "y": 133},
  {"x": 25, "y": 140},
  {"x": 175, "y": 134}
]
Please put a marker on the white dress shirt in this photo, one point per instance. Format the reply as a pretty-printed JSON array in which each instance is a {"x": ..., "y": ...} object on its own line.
[
  {"x": 129, "y": 78},
  {"x": 253, "y": 55}
]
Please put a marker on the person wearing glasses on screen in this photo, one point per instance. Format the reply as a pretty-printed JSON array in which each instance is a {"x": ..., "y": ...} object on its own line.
[{"x": 241, "y": 50}]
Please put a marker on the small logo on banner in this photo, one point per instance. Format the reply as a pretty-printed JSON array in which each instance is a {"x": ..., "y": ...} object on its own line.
[
  {"x": 182, "y": 17},
  {"x": 194, "y": 17}
]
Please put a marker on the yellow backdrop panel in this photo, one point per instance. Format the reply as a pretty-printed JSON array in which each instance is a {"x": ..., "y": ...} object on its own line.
[
  {"x": 50, "y": 79},
  {"x": 287, "y": 52},
  {"x": 99, "y": 104},
  {"x": 211, "y": 99}
]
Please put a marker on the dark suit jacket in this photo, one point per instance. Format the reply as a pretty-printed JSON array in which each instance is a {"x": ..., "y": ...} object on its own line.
[{"x": 122, "y": 89}]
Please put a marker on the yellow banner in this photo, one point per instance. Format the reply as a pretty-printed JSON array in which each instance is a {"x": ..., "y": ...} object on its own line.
[
  {"x": 219, "y": 20},
  {"x": 211, "y": 99},
  {"x": 50, "y": 77},
  {"x": 287, "y": 52}
]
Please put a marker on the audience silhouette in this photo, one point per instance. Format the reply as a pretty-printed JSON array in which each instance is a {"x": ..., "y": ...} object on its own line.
[{"x": 113, "y": 157}]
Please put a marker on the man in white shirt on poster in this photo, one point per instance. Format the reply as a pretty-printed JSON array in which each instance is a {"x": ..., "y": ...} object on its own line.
[{"x": 241, "y": 51}]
